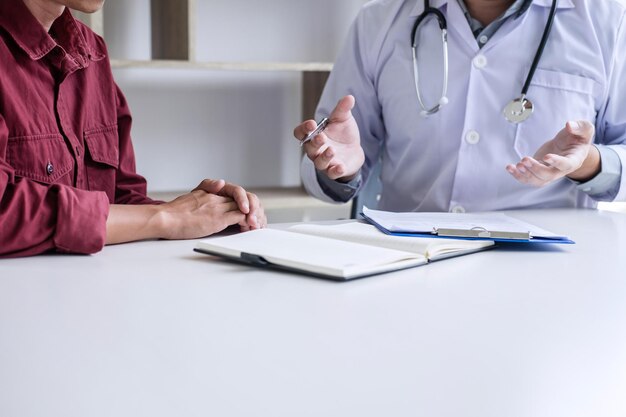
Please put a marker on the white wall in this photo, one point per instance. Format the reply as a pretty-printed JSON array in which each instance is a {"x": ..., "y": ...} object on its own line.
[{"x": 192, "y": 124}]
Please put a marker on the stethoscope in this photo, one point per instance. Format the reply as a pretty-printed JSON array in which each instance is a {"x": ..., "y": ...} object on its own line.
[{"x": 519, "y": 109}]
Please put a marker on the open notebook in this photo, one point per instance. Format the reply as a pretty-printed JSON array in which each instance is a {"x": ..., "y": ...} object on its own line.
[{"x": 340, "y": 252}]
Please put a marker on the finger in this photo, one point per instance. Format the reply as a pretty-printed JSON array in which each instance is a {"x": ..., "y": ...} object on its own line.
[
  {"x": 211, "y": 186},
  {"x": 336, "y": 171},
  {"x": 255, "y": 209},
  {"x": 229, "y": 206},
  {"x": 559, "y": 162},
  {"x": 581, "y": 129},
  {"x": 302, "y": 130},
  {"x": 239, "y": 195},
  {"x": 231, "y": 218},
  {"x": 522, "y": 174},
  {"x": 261, "y": 218},
  {"x": 207, "y": 198},
  {"x": 323, "y": 161},
  {"x": 543, "y": 174},
  {"x": 316, "y": 146},
  {"x": 343, "y": 110}
]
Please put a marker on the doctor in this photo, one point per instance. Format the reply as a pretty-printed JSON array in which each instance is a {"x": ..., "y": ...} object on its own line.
[{"x": 476, "y": 105}]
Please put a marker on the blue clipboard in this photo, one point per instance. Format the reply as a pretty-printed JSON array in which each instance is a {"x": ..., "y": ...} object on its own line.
[{"x": 474, "y": 234}]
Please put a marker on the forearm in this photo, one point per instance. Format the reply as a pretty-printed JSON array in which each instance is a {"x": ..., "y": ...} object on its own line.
[{"x": 127, "y": 223}]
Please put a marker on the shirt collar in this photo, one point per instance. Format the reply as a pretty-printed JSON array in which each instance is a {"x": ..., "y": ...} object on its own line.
[
  {"x": 30, "y": 36},
  {"x": 437, "y": 4}
]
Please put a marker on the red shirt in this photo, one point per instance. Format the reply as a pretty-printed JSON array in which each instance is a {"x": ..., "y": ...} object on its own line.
[{"x": 65, "y": 148}]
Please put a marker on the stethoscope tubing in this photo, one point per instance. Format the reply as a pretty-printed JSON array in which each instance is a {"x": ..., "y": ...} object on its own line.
[{"x": 541, "y": 48}]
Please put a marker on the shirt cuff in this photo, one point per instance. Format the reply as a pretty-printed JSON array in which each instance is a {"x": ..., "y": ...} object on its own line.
[
  {"x": 339, "y": 191},
  {"x": 81, "y": 221},
  {"x": 606, "y": 184}
]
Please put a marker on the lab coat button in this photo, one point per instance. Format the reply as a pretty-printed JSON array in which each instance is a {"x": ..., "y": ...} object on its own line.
[
  {"x": 480, "y": 61},
  {"x": 457, "y": 209},
  {"x": 472, "y": 137},
  {"x": 49, "y": 168}
]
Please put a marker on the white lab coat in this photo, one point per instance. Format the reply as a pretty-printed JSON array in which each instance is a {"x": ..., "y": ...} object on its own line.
[{"x": 455, "y": 160}]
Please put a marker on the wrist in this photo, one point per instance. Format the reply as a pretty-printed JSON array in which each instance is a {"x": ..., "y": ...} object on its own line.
[
  {"x": 160, "y": 221},
  {"x": 127, "y": 223},
  {"x": 590, "y": 167},
  {"x": 348, "y": 178}
]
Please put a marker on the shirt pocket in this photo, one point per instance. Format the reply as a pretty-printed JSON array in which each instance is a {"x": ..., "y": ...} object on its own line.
[
  {"x": 43, "y": 158},
  {"x": 558, "y": 97},
  {"x": 104, "y": 158}
]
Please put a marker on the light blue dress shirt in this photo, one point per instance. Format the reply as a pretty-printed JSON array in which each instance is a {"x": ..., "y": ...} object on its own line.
[{"x": 455, "y": 160}]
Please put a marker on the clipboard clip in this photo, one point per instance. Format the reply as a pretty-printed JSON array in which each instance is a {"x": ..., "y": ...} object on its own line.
[{"x": 482, "y": 233}]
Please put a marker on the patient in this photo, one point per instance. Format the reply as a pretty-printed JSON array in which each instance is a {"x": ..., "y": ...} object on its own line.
[{"x": 67, "y": 168}]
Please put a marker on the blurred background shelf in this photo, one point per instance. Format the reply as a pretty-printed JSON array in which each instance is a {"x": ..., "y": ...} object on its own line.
[
  {"x": 217, "y": 86},
  {"x": 223, "y": 66},
  {"x": 284, "y": 204}
]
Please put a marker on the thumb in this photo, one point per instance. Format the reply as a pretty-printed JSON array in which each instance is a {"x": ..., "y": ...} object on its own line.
[
  {"x": 342, "y": 111},
  {"x": 582, "y": 129}
]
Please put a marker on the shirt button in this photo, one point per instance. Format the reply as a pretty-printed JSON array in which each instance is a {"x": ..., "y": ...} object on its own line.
[
  {"x": 50, "y": 168},
  {"x": 457, "y": 209},
  {"x": 483, "y": 39},
  {"x": 472, "y": 137},
  {"x": 480, "y": 61}
]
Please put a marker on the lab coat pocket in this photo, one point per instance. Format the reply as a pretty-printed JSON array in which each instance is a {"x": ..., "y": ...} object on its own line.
[
  {"x": 103, "y": 146},
  {"x": 43, "y": 158},
  {"x": 557, "y": 97}
]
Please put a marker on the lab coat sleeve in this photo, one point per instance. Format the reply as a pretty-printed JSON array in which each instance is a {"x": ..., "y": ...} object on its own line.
[
  {"x": 611, "y": 128},
  {"x": 353, "y": 73},
  {"x": 605, "y": 185}
]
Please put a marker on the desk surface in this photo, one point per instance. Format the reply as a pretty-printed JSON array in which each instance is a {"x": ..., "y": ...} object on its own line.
[{"x": 153, "y": 329}]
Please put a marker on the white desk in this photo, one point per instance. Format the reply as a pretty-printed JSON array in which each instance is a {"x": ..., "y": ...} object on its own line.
[{"x": 153, "y": 329}]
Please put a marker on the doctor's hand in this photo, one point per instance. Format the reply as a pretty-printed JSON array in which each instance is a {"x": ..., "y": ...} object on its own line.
[
  {"x": 569, "y": 154},
  {"x": 337, "y": 151}
]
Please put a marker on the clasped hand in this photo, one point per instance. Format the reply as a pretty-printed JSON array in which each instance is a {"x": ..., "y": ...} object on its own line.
[{"x": 211, "y": 207}]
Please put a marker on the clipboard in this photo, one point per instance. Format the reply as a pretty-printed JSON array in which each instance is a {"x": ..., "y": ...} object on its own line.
[{"x": 522, "y": 235}]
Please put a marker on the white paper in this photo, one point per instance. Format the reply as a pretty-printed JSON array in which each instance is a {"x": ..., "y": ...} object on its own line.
[{"x": 431, "y": 222}]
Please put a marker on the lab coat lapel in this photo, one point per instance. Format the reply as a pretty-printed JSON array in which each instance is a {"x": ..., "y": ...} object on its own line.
[
  {"x": 513, "y": 25},
  {"x": 457, "y": 23}
]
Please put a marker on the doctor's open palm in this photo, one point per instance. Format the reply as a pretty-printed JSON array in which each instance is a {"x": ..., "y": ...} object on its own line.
[
  {"x": 570, "y": 153},
  {"x": 337, "y": 151}
]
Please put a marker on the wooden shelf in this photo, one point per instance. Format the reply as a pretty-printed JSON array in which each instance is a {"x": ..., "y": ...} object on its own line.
[
  {"x": 273, "y": 198},
  {"x": 224, "y": 66}
]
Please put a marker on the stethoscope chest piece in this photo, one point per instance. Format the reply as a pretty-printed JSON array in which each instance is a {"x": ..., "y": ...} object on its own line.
[{"x": 518, "y": 110}]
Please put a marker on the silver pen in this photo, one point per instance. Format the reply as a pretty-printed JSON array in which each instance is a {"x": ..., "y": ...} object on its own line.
[{"x": 319, "y": 129}]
